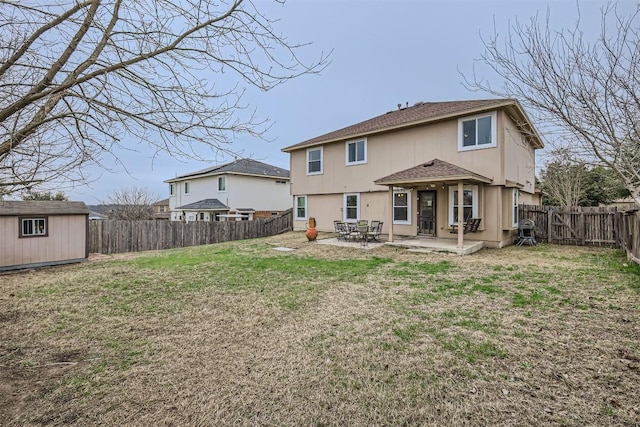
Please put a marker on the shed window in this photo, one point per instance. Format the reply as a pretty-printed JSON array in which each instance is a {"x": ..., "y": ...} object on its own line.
[{"x": 33, "y": 227}]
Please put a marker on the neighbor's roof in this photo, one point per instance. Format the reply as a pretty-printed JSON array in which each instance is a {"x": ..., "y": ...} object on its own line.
[
  {"x": 205, "y": 205},
  {"x": 42, "y": 207},
  {"x": 422, "y": 113},
  {"x": 163, "y": 202},
  {"x": 239, "y": 167},
  {"x": 432, "y": 171}
]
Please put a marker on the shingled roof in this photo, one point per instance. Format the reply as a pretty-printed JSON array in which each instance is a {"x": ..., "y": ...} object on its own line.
[
  {"x": 418, "y": 114},
  {"x": 432, "y": 171},
  {"x": 42, "y": 207},
  {"x": 205, "y": 205},
  {"x": 240, "y": 167}
]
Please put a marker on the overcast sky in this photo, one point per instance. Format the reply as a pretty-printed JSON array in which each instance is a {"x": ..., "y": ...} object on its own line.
[{"x": 384, "y": 53}]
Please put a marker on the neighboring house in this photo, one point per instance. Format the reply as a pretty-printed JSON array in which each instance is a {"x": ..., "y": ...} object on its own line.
[
  {"x": 161, "y": 209},
  {"x": 414, "y": 167},
  {"x": 244, "y": 189},
  {"x": 39, "y": 233}
]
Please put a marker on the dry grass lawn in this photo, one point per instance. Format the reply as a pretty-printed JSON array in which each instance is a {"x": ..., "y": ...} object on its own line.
[{"x": 241, "y": 334}]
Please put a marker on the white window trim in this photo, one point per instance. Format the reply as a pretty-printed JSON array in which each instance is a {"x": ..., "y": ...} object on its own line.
[
  {"x": 187, "y": 185},
  {"x": 515, "y": 209},
  {"x": 44, "y": 232},
  {"x": 321, "y": 160},
  {"x": 346, "y": 154},
  {"x": 409, "y": 211},
  {"x": 172, "y": 189},
  {"x": 474, "y": 207},
  {"x": 225, "y": 184},
  {"x": 494, "y": 133},
  {"x": 306, "y": 207},
  {"x": 344, "y": 207}
]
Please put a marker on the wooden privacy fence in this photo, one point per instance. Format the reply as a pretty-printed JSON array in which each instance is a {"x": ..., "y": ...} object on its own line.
[
  {"x": 586, "y": 226},
  {"x": 115, "y": 236}
]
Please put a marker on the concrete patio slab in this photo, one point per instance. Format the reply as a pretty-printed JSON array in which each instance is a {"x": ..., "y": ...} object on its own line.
[
  {"x": 350, "y": 243},
  {"x": 413, "y": 244},
  {"x": 418, "y": 244}
]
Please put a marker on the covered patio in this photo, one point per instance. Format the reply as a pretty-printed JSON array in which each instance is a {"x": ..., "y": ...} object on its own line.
[{"x": 427, "y": 176}]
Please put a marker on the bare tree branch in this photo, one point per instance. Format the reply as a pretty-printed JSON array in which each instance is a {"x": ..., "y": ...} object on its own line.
[
  {"x": 586, "y": 91},
  {"x": 80, "y": 79}
]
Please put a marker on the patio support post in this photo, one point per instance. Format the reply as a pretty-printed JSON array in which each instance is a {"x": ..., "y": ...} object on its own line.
[
  {"x": 460, "y": 214},
  {"x": 391, "y": 213}
]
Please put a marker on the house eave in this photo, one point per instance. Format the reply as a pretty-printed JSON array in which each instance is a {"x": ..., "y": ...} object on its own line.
[
  {"x": 406, "y": 125},
  {"x": 417, "y": 182},
  {"x": 210, "y": 174}
]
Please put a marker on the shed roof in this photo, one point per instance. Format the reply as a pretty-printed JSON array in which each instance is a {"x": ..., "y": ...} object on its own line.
[
  {"x": 240, "y": 167},
  {"x": 422, "y": 113},
  {"x": 205, "y": 205},
  {"x": 42, "y": 207},
  {"x": 435, "y": 170}
]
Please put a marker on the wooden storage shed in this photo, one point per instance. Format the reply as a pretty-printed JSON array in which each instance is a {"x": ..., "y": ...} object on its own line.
[{"x": 39, "y": 233}]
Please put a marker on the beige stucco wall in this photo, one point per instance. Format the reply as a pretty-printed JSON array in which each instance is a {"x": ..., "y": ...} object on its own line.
[
  {"x": 392, "y": 152},
  {"x": 511, "y": 160},
  {"x": 519, "y": 156},
  {"x": 376, "y": 206},
  {"x": 66, "y": 241}
]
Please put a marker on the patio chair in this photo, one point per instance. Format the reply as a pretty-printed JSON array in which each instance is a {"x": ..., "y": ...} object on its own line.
[
  {"x": 342, "y": 230},
  {"x": 470, "y": 226},
  {"x": 375, "y": 230},
  {"x": 363, "y": 233}
]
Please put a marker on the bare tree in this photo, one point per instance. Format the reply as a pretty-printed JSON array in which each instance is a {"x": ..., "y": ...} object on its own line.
[
  {"x": 80, "y": 78},
  {"x": 589, "y": 90},
  {"x": 563, "y": 180},
  {"x": 133, "y": 203}
]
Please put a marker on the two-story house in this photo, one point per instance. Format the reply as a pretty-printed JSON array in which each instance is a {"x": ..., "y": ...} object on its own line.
[
  {"x": 422, "y": 169},
  {"x": 161, "y": 209},
  {"x": 244, "y": 189}
]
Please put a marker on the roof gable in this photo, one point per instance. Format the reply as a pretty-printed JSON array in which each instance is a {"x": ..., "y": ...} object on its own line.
[
  {"x": 419, "y": 114},
  {"x": 434, "y": 170},
  {"x": 205, "y": 205},
  {"x": 240, "y": 167}
]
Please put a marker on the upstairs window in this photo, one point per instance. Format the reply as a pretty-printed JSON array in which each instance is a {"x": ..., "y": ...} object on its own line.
[
  {"x": 222, "y": 183},
  {"x": 33, "y": 227},
  {"x": 187, "y": 187},
  {"x": 356, "y": 152},
  {"x": 477, "y": 132},
  {"x": 172, "y": 189},
  {"x": 314, "y": 161}
]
